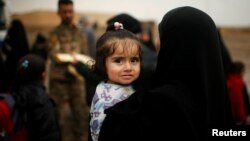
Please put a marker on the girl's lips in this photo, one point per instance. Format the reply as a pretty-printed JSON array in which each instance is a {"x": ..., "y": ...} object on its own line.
[{"x": 127, "y": 76}]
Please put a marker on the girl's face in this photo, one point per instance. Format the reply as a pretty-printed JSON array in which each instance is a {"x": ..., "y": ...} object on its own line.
[{"x": 123, "y": 66}]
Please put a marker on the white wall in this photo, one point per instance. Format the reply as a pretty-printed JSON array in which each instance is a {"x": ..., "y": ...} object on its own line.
[{"x": 224, "y": 12}]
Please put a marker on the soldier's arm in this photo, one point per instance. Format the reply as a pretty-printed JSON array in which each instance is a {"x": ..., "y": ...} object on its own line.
[{"x": 53, "y": 48}]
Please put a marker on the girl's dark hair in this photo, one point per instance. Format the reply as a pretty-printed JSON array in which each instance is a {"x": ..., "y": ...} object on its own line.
[
  {"x": 109, "y": 42},
  {"x": 29, "y": 68}
]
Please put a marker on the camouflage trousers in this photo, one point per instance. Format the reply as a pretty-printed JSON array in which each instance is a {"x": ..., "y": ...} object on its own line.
[{"x": 72, "y": 109}]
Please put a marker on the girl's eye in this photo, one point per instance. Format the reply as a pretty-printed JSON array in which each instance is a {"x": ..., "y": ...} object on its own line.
[
  {"x": 118, "y": 61},
  {"x": 135, "y": 60}
]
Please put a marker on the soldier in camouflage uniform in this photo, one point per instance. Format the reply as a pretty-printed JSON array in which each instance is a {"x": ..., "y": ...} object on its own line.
[{"x": 68, "y": 90}]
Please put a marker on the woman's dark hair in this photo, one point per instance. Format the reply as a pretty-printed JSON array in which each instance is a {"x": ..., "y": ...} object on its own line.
[{"x": 109, "y": 42}]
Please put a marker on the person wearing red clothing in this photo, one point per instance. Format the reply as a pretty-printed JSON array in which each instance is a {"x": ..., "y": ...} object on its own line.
[{"x": 235, "y": 86}]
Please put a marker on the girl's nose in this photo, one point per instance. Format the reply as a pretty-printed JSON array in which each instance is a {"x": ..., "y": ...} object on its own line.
[{"x": 127, "y": 66}]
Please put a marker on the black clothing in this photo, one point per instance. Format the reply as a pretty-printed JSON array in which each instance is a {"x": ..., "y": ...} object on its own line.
[
  {"x": 38, "y": 111},
  {"x": 39, "y": 46},
  {"x": 246, "y": 100},
  {"x": 226, "y": 57},
  {"x": 148, "y": 61},
  {"x": 3, "y": 72},
  {"x": 15, "y": 47},
  {"x": 190, "y": 55},
  {"x": 92, "y": 79},
  {"x": 147, "y": 116}
]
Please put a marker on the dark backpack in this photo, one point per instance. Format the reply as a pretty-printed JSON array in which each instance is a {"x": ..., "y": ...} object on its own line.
[{"x": 11, "y": 123}]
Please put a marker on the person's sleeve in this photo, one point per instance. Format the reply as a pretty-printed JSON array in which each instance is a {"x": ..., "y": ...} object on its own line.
[{"x": 87, "y": 72}]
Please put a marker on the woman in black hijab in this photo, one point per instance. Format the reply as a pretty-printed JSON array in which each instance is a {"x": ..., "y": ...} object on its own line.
[
  {"x": 188, "y": 96},
  {"x": 190, "y": 60},
  {"x": 16, "y": 46}
]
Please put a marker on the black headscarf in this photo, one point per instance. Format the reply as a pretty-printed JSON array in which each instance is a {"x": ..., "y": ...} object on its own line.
[
  {"x": 190, "y": 57},
  {"x": 226, "y": 57},
  {"x": 17, "y": 39}
]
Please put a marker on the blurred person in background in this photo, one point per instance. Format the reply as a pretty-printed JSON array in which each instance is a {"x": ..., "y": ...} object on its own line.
[
  {"x": 87, "y": 28},
  {"x": 238, "y": 93},
  {"x": 39, "y": 46},
  {"x": 67, "y": 89},
  {"x": 15, "y": 47},
  {"x": 36, "y": 110},
  {"x": 148, "y": 39}
]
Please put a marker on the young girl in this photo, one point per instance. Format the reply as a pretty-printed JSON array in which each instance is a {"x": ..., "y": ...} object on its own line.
[
  {"x": 32, "y": 101},
  {"x": 118, "y": 60}
]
